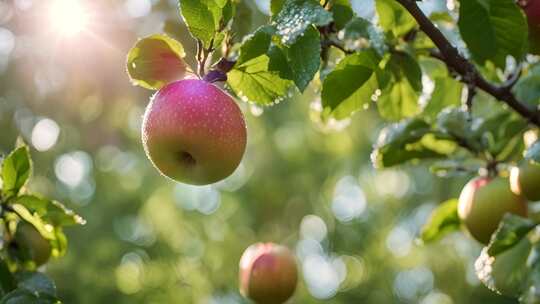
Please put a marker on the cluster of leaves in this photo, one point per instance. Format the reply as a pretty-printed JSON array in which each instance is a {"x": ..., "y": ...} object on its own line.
[
  {"x": 386, "y": 62},
  {"x": 22, "y": 252}
]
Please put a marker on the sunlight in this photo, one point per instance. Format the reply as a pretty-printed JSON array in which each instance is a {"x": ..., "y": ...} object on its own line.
[{"x": 68, "y": 17}]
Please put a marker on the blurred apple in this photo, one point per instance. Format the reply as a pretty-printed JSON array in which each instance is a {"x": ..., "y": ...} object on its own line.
[
  {"x": 484, "y": 201},
  {"x": 193, "y": 132},
  {"x": 525, "y": 180},
  {"x": 268, "y": 273}
]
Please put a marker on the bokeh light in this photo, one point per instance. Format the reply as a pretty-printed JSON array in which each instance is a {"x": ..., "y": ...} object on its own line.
[{"x": 68, "y": 17}]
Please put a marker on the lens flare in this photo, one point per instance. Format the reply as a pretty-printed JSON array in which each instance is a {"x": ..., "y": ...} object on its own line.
[{"x": 68, "y": 17}]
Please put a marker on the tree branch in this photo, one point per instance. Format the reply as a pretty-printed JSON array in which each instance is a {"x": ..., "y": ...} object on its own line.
[{"x": 470, "y": 75}]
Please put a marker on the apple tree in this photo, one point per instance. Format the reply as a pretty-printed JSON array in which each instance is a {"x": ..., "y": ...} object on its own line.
[{"x": 459, "y": 89}]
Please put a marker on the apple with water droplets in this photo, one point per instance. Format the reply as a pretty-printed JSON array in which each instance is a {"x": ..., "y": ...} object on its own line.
[
  {"x": 193, "y": 132},
  {"x": 268, "y": 273},
  {"x": 484, "y": 201}
]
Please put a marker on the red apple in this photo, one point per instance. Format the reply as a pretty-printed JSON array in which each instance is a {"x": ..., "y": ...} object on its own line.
[
  {"x": 484, "y": 201},
  {"x": 525, "y": 180},
  {"x": 268, "y": 273},
  {"x": 193, "y": 132}
]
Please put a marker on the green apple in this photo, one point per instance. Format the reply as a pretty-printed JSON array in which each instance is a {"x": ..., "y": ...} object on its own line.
[
  {"x": 193, "y": 132},
  {"x": 525, "y": 180},
  {"x": 484, "y": 201},
  {"x": 30, "y": 240},
  {"x": 268, "y": 273}
]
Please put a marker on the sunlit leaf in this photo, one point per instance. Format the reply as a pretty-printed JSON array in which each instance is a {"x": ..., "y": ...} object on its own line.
[
  {"x": 443, "y": 220},
  {"x": 16, "y": 169}
]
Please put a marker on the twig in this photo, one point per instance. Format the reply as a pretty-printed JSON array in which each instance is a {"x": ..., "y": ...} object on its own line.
[{"x": 454, "y": 60}]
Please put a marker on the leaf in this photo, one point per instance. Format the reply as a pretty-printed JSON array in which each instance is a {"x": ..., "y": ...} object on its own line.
[
  {"x": 443, "y": 220},
  {"x": 399, "y": 98},
  {"x": 502, "y": 265},
  {"x": 447, "y": 93},
  {"x": 51, "y": 211},
  {"x": 527, "y": 89},
  {"x": 276, "y": 6},
  {"x": 16, "y": 169},
  {"x": 304, "y": 57},
  {"x": 155, "y": 61},
  {"x": 19, "y": 296},
  {"x": 253, "y": 82},
  {"x": 503, "y": 27},
  {"x": 36, "y": 282},
  {"x": 33, "y": 219},
  {"x": 258, "y": 75},
  {"x": 455, "y": 122},
  {"x": 351, "y": 84},
  {"x": 409, "y": 140},
  {"x": 7, "y": 281},
  {"x": 361, "y": 28},
  {"x": 394, "y": 18},
  {"x": 296, "y": 16},
  {"x": 342, "y": 13},
  {"x": 199, "y": 19},
  {"x": 533, "y": 153}
]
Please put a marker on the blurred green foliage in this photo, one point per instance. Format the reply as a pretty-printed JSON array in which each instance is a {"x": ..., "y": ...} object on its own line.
[{"x": 304, "y": 183}]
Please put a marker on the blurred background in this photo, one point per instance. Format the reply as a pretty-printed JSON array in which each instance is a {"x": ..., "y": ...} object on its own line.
[{"x": 304, "y": 183}]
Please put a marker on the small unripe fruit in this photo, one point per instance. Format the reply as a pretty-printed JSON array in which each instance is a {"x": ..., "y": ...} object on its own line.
[
  {"x": 30, "y": 240},
  {"x": 525, "y": 180},
  {"x": 268, "y": 273},
  {"x": 193, "y": 132},
  {"x": 484, "y": 201}
]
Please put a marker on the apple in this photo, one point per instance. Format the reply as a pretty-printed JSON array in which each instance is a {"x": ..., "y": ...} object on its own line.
[
  {"x": 484, "y": 201},
  {"x": 30, "y": 240},
  {"x": 268, "y": 273},
  {"x": 193, "y": 132},
  {"x": 532, "y": 10},
  {"x": 525, "y": 180}
]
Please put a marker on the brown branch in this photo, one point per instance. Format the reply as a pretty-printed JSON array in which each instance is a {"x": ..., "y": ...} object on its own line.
[{"x": 470, "y": 75}]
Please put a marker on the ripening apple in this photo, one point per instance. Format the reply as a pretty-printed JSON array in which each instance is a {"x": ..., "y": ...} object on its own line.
[
  {"x": 268, "y": 273},
  {"x": 193, "y": 132},
  {"x": 525, "y": 180},
  {"x": 532, "y": 10},
  {"x": 30, "y": 240},
  {"x": 484, "y": 201}
]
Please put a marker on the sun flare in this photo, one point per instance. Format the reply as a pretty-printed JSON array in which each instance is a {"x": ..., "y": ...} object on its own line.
[{"x": 68, "y": 17}]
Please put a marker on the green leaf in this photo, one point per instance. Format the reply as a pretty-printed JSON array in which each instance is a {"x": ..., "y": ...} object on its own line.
[
  {"x": 527, "y": 89},
  {"x": 447, "y": 93},
  {"x": 455, "y": 122},
  {"x": 503, "y": 29},
  {"x": 443, "y": 220},
  {"x": 20, "y": 296},
  {"x": 502, "y": 265},
  {"x": 52, "y": 212},
  {"x": 276, "y": 6},
  {"x": 399, "y": 98},
  {"x": 296, "y": 16},
  {"x": 33, "y": 219},
  {"x": 394, "y": 18},
  {"x": 7, "y": 281},
  {"x": 342, "y": 13},
  {"x": 199, "y": 19},
  {"x": 304, "y": 57},
  {"x": 361, "y": 28},
  {"x": 409, "y": 140},
  {"x": 533, "y": 153},
  {"x": 253, "y": 82},
  {"x": 259, "y": 74},
  {"x": 36, "y": 282},
  {"x": 351, "y": 84},
  {"x": 155, "y": 61},
  {"x": 16, "y": 169}
]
